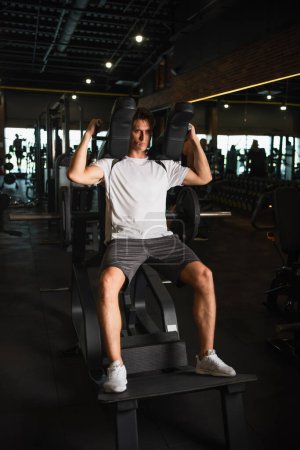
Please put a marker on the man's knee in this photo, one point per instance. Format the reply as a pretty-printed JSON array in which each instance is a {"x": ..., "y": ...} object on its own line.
[
  {"x": 197, "y": 275},
  {"x": 205, "y": 276},
  {"x": 111, "y": 281}
]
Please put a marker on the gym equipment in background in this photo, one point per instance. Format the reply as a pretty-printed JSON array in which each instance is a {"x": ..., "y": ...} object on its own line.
[
  {"x": 283, "y": 297},
  {"x": 4, "y": 204},
  {"x": 9, "y": 177}
]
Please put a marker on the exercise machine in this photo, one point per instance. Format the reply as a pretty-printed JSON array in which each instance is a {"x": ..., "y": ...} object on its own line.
[{"x": 152, "y": 349}]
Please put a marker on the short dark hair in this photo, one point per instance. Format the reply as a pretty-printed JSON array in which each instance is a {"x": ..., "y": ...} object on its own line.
[{"x": 144, "y": 114}]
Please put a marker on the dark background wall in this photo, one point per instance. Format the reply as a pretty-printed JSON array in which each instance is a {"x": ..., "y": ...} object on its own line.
[
  {"x": 226, "y": 27},
  {"x": 23, "y": 108},
  {"x": 266, "y": 59}
]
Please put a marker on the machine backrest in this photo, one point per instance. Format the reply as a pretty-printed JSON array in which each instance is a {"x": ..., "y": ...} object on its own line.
[
  {"x": 170, "y": 144},
  {"x": 116, "y": 147},
  {"x": 120, "y": 127},
  {"x": 287, "y": 216}
]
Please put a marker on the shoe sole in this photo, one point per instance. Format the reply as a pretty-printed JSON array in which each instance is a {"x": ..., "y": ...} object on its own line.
[
  {"x": 114, "y": 391},
  {"x": 214, "y": 374}
]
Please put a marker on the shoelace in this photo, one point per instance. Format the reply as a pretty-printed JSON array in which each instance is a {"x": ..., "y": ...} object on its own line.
[
  {"x": 215, "y": 361},
  {"x": 114, "y": 369}
]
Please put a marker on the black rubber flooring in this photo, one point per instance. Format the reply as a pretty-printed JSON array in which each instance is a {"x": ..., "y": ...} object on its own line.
[{"x": 47, "y": 400}]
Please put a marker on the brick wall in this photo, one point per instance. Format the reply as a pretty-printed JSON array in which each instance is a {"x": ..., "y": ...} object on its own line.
[{"x": 262, "y": 61}]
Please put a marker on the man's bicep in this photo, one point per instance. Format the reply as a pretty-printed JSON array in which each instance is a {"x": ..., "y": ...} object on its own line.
[
  {"x": 192, "y": 179},
  {"x": 95, "y": 173}
]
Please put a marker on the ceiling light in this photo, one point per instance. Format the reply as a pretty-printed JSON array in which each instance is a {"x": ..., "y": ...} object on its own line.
[
  {"x": 139, "y": 38},
  {"x": 226, "y": 106},
  {"x": 269, "y": 96},
  {"x": 74, "y": 96},
  {"x": 88, "y": 81},
  {"x": 108, "y": 65},
  {"x": 283, "y": 107}
]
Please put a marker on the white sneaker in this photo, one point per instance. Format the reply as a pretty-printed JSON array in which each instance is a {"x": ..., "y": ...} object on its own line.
[
  {"x": 116, "y": 378},
  {"x": 211, "y": 364}
]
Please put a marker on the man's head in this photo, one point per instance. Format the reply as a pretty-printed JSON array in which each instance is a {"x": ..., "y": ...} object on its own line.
[
  {"x": 144, "y": 114},
  {"x": 141, "y": 132}
]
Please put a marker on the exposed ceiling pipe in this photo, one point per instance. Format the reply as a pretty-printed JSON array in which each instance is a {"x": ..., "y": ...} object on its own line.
[
  {"x": 194, "y": 19},
  {"x": 117, "y": 62},
  {"x": 36, "y": 34},
  {"x": 190, "y": 21},
  {"x": 128, "y": 33},
  {"x": 45, "y": 59},
  {"x": 71, "y": 24}
]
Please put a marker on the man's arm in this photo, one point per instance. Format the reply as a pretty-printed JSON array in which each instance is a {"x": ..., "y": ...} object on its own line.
[
  {"x": 78, "y": 171},
  {"x": 196, "y": 160}
]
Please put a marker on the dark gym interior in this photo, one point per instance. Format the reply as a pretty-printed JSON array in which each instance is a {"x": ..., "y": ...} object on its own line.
[{"x": 234, "y": 67}]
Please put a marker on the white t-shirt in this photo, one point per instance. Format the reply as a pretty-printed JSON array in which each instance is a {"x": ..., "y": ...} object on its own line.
[{"x": 136, "y": 191}]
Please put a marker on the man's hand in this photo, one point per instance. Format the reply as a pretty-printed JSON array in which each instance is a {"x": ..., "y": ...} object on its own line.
[
  {"x": 94, "y": 127},
  {"x": 196, "y": 160},
  {"x": 78, "y": 172},
  {"x": 190, "y": 141},
  {"x": 191, "y": 134}
]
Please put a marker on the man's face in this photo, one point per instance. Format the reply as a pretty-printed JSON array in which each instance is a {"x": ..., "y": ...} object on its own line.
[{"x": 140, "y": 135}]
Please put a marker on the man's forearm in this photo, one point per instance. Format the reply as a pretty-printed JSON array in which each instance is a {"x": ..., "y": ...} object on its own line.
[
  {"x": 197, "y": 161},
  {"x": 201, "y": 166},
  {"x": 79, "y": 159}
]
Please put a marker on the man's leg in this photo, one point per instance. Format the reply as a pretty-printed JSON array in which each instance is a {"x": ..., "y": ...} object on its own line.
[
  {"x": 200, "y": 278},
  {"x": 111, "y": 281}
]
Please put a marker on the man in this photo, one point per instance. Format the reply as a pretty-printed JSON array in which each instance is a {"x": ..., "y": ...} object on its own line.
[
  {"x": 136, "y": 231},
  {"x": 257, "y": 160},
  {"x": 17, "y": 144}
]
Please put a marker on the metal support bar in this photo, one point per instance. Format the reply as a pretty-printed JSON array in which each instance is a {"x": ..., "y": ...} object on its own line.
[
  {"x": 163, "y": 297},
  {"x": 39, "y": 169},
  {"x": 89, "y": 330},
  {"x": 126, "y": 425},
  {"x": 129, "y": 311},
  {"x": 174, "y": 215},
  {"x": 33, "y": 216},
  {"x": 140, "y": 303},
  {"x": 234, "y": 418}
]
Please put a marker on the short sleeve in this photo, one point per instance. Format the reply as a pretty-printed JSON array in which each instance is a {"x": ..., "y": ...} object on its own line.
[
  {"x": 175, "y": 173},
  {"x": 105, "y": 164}
]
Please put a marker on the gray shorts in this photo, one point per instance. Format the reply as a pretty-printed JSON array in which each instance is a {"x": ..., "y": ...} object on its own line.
[{"x": 168, "y": 255}]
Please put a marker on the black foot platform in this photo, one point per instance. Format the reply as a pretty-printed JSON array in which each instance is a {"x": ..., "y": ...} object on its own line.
[{"x": 179, "y": 382}]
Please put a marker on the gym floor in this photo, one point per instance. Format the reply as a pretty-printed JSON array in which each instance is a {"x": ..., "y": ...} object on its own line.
[{"x": 48, "y": 401}]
